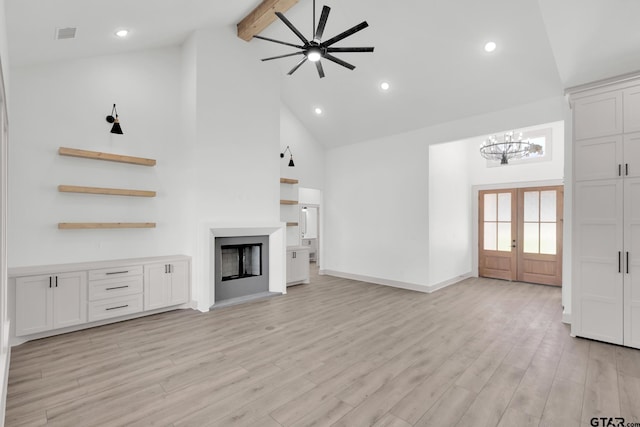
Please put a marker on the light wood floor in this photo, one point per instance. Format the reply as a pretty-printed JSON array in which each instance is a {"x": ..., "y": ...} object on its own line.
[{"x": 336, "y": 352}]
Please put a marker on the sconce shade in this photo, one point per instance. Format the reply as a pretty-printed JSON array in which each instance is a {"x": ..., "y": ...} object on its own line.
[
  {"x": 116, "y": 127},
  {"x": 291, "y": 162}
]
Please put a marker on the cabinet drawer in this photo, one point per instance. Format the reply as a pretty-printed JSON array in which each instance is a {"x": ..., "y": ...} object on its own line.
[
  {"x": 110, "y": 273},
  {"x": 114, "y": 307},
  {"x": 101, "y": 289}
]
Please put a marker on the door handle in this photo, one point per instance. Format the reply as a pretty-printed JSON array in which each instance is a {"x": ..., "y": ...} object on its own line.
[
  {"x": 50, "y": 279},
  {"x": 513, "y": 243},
  {"x": 627, "y": 262},
  {"x": 626, "y": 169},
  {"x": 56, "y": 281},
  {"x": 619, "y": 262},
  {"x": 620, "y": 169}
]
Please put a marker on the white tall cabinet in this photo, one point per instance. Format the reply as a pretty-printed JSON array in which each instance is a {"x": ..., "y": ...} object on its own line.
[{"x": 606, "y": 206}]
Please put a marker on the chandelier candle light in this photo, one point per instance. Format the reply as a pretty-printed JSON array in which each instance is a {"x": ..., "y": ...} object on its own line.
[{"x": 510, "y": 147}]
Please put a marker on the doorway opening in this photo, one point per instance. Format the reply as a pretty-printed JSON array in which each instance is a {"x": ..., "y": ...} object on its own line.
[
  {"x": 310, "y": 230},
  {"x": 520, "y": 234}
]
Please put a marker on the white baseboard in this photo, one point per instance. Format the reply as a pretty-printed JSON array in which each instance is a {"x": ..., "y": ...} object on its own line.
[
  {"x": 394, "y": 283},
  {"x": 566, "y": 317},
  {"x": 453, "y": 281}
]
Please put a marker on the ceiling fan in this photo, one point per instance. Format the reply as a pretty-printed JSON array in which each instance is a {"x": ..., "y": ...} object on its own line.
[{"x": 315, "y": 49}]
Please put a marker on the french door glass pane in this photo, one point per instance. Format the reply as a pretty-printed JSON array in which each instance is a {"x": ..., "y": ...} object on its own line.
[
  {"x": 490, "y": 236},
  {"x": 531, "y": 238},
  {"x": 548, "y": 206},
  {"x": 504, "y": 207},
  {"x": 531, "y": 206},
  {"x": 490, "y": 205},
  {"x": 504, "y": 236},
  {"x": 548, "y": 238}
]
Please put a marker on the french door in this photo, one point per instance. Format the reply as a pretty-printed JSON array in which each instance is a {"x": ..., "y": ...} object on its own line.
[{"x": 520, "y": 234}]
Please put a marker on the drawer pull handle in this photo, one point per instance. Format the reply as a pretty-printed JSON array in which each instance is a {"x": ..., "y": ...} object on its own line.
[
  {"x": 117, "y": 272},
  {"x": 115, "y": 308},
  {"x": 117, "y": 287}
]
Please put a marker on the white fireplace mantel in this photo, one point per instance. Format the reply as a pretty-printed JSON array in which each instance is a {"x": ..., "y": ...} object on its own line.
[{"x": 204, "y": 285}]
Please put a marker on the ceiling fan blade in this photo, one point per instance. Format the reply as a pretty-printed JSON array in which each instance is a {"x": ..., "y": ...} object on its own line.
[
  {"x": 349, "y": 49},
  {"x": 338, "y": 61},
  {"x": 350, "y": 31},
  {"x": 294, "y": 69},
  {"x": 283, "y": 56},
  {"x": 278, "y": 41},
  {"x": 291, "y": 27},
  {"x": 320, "y": 69},
  {"x": 322, "y": 22}
]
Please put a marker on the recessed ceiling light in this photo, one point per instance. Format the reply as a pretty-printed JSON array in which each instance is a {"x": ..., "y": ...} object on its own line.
[
  {"x": 385, "y": 86},
  {"x": 490, "y": 47},
  {"x": 122, "y": 33},
  {"x": 318, "y": 110}
]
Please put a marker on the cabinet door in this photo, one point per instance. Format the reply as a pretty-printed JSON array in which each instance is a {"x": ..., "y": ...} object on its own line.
[
  {"x": 598, "y": 115},
  {"x": 599, "y": 158},
  {"x": 69, "y": 299},
  {"x": 179, "y": 283},
  {"x": 302, "y": 260},
  {"x": 598, "y": 292},
  {"x": 290, "y": 267},
  {"x": 33, "y": 308},
  {"x": 632, "y": 109},
  {"x": 632, "y": 262},
  {"x": 157, "y": 283},
  {"x": 631, "y": 167}
]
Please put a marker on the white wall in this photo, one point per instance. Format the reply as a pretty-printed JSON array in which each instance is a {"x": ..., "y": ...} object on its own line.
[
  {"x": 236, "y": 151},
  {"x": 4, "y": 320},
  {"x": 65, "y": 104},
  {"x": 308, "y": 153},
  {"x": 4, "y": 46},
  {"x": 450, "y": 206},
  {"x": 378, "y": 202},
  {"x": 376, "y": 210},
  {"x": 208, "y": 112}
]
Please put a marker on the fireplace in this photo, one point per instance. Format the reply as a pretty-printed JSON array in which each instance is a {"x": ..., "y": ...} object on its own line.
[
  {"x": 240, "y": 261},
  {"x": 241, "y": 266}
]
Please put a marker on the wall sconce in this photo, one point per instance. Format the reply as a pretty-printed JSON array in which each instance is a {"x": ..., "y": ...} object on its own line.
[
  {"x": 116, "y": 123},
  {"x": 290, "y": 156}
]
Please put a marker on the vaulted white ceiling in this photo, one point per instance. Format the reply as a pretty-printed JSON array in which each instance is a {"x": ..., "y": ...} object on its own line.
[{"x": 430, "y": 51}]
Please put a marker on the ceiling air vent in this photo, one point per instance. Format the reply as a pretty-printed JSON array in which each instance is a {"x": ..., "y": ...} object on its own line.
[{"x": 65, "y": 33}]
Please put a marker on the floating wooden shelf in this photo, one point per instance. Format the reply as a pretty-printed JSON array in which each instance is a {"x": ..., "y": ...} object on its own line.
[
  {"x": 107, "y": 191},
  {"x": 292, "y": 224},
  {"x": 73, "y": 152},
  {"x": 288, "y": 181},
  {"x": 103, "y": 225},
  {"x": 288, "y": 202}
]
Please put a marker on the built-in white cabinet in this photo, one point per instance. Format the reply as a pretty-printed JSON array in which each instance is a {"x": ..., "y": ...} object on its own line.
[
  {"x": 606, "y": 207},
  {"x": 166, "y": 284},
  {"x": 115, "y": 291},
  {"x": 46, "y": 302},
  {"x": 297, "y": 265},
  {"x": 60, "y": 298}
]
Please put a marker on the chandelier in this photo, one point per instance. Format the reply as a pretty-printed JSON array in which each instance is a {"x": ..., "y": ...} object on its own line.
[{"x": 511, "y": 147}]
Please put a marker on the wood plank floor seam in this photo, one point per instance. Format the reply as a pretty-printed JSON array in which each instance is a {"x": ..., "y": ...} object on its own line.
[{"x": 335, "y": 352}]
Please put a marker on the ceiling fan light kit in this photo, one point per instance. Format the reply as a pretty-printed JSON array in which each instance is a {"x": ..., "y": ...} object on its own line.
[{"x": 315, "y": 49}]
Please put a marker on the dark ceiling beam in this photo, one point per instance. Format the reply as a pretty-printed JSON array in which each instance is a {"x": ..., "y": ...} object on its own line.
[{"x": 261, "y": 17}]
